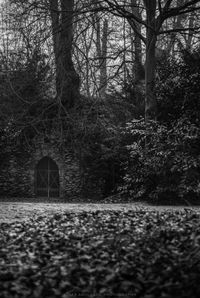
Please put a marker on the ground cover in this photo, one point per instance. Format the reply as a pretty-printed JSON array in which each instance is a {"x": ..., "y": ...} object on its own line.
[{"x": 133, "y": 253}]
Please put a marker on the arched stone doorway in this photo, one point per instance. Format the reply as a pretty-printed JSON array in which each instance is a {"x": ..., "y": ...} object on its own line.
[{"x": 47, "y": 178}]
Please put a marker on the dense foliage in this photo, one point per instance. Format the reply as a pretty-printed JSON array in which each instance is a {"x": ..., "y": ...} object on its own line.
[
  {"x": 178, "y": 87},
  {"x": 145, "y": 253},
  {"x": 163, "y": 160},
  {"x": 164, "y": 163}
]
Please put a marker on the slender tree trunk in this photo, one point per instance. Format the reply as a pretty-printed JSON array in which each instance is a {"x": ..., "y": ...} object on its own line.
[
  {"x": 55, "y": 24},
  {"x": 191, "y": 32},
  {"x": 103, "y": 61},
  {"x": 101, "y": 46},
  {"x": 137, "y": 44},
  {"x": 67, "y": 80},
  {"x": 150, "y": 65}
]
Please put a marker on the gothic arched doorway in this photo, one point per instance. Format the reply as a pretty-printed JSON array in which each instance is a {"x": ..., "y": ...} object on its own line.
[{"x": 47, "y": 178}]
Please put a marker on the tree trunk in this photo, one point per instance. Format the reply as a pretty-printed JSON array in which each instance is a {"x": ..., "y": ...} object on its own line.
[
  {"x": 150, "y": 65},
  {"x": 67, "y": 80},
  {"x": 191, "y": 32},
  {"x": 101, "y": 47},
  {"x": 103, "y": 64},
  {"x": 150, "y": 98},
  {"x": 137, "y": 45}
]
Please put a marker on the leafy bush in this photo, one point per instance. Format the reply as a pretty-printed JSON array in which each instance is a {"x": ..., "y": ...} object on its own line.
[
  {"x": 178, "y": 87},
  {"x": 163, "y": 162}
]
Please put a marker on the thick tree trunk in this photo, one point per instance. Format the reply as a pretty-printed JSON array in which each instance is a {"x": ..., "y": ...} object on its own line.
[
  {"x": 67, "y": 80},
  {"x": 138, "y": 59},
  {"x": 150, "y": 65}
]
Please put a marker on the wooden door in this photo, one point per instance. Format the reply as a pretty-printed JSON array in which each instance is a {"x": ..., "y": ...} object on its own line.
[{"x": 47, "y": 178}]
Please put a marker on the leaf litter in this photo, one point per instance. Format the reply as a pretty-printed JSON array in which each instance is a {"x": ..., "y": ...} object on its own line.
[{"x": 130, "y": 253}]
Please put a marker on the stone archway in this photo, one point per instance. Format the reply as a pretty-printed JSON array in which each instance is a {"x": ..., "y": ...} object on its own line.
[{"x": 47, "y": 178}]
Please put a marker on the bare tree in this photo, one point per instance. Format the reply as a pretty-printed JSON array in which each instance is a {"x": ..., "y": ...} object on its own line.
[
  {"x": 154, "y": 15},
  {"x": 148, "y": 21}
]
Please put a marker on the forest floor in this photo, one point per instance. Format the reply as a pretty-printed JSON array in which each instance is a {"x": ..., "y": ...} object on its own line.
[
  {"x": 105, "y": 250},
  {"x": 22, "y": 211}
]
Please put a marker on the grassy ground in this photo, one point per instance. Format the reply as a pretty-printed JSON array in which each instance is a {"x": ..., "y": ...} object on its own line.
[{"x": 129, "y": 253}]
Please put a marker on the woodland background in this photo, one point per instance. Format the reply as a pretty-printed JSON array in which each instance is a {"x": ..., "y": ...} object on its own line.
[{"x": 117, "y": 81}]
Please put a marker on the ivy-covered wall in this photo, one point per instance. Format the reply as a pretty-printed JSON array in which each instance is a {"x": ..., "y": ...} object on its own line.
[
  {"x": 17, "y": 170},
  {"x": 14, "y": 177}
]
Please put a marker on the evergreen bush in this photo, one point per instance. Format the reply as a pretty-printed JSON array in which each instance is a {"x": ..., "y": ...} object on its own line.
[{"x": 164, "y": 162}]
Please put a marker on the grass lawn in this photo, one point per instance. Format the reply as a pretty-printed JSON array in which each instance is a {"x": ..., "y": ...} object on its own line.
[{"x": 130, "y": 253}]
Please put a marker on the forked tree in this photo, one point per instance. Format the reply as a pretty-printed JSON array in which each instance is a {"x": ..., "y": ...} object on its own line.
[{"x": 155, "y": 13}]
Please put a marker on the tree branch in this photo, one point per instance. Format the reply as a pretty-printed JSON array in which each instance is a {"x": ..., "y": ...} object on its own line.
[{"x": 195, "y": 30}]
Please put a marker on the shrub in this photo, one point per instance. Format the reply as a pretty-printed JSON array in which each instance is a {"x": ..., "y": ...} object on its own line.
[
  {"x": 163, "y": 162},
  {"x": 178, "y": 87}
]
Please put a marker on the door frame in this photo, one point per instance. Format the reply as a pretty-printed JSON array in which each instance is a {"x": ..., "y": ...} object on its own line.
[{"x": 49, "y": 171}]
